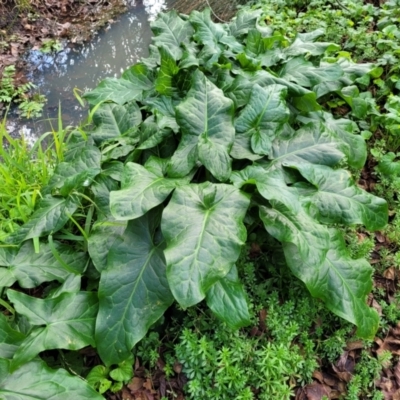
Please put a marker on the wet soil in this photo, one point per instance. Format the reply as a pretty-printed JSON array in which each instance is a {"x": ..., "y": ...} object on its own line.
[{"x": 29, "y": 27}]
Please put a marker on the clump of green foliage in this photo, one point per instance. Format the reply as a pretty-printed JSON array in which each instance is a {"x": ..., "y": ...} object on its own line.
[
  {"x": 223, "y": 131},
  {"x": 24, "y": 171},
  {"x": 29, "y": 106}
]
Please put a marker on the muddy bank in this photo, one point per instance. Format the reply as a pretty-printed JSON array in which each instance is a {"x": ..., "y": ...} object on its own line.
[
  {"x": 34, "y": 24},
  {"x": 223, "y": 10}
]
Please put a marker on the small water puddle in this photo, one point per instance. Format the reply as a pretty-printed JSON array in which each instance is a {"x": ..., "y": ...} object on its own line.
[{"x": 109, "y": 53}]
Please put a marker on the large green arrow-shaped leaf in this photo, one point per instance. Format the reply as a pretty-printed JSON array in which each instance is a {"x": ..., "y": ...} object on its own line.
[
  {"x": 133, "y": 290},
  {"x": 310, "y": 144},
  {"x": 205, "y": 117},
  {"x": 102, "y": 237},
  {"x": 341, "y": 282},
  {"x": 338, "y": 200},
  {"x": 10, "y": 339},
  {"x": 270, "y": 184},
  {"x": 207, "y": 32},
  {"x": 264, "y": 115},
  {"x": 168, "y": 70},
  {"x": 36, "y": 381},
  {"x": 304, "y": 43},
  {"x": 227, "y": 300},
  {"x": 310, "y": 238},
  {"x": 79, "y": 170},
  {"x": 105, "y": 230},
  {"x": 113, "y": 120},
  {"x": 243, "y": 22},
  {"x": 305, "y": 74},
  {"x": 141, "y": 190},
  {"x": 64, "y": 322},
  {"x": 119, "y": 91},
  {"x": 31, "y": 269},
  {"x": 171, "y": 31},
  {"x": 140, "y": 75},
  {"x": 52, "y": 214},
  {"x": 204, "y": 231},
  {"x": 343, "y": 130}
]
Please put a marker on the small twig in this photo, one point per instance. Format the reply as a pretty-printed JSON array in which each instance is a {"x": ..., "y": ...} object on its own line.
[
  {"x": 342, "y": 5},
  {"x": 215, "y": 15}
]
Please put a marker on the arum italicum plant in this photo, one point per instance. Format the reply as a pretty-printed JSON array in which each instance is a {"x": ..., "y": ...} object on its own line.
[{"x": 221, "y": 130}]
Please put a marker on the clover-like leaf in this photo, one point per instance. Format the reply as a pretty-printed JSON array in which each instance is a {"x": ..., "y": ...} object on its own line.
[
  {"x": 133, "y": 289},
  {"x": 340, "y": 281},
  {"x": 204, "y": 231},
  {"x": 64, "y": 322}
]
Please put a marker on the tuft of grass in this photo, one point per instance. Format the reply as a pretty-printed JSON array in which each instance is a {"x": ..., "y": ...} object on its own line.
[{"x": 24, "y": 171}]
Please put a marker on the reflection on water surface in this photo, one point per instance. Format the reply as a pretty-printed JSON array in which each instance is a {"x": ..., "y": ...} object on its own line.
[{"x": 109, "y": 53}]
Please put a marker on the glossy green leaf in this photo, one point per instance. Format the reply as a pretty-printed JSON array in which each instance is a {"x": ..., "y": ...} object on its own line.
[
  {"x": 341, "y": 282},
  {"x": 113, "y": 120},
  {"x": 310, "y": 238},
  {"x": 311, "y": 144},
  {"x": 140, "y": 75},
  {"x": 36, "y": 381},
  {"x": 264, "y": 115},
  {"x": 168, "y": 69},
  {"x": 336, "y": 199},
  {"x": 133, "y": 290},
  {"x": 206, "y": 32},
  {"x": 205, "y": 117},
  {"x": 227, "y": 300},
  {"x": 141, "y": 190},
  {"x": 171, "y": 31},
  {"x": 102, "y": 237},
  {"x": 304, "y": 73},
  {"x": 80, "y": 170},
  {"x": 10, "y": 339},
  {"x": 345, "y": 131},
  {"x": 243, "y": 22},
  {"x": 304, "y": 43},
  {"x": 64, "y": 322},
  {"x": 51, "y": 215},
  {"x": 204, "y": 231},
  {"x": 31, "y": 269},
  {"x": 119, "y": 91},
  {"x": 270, "y": 184}
]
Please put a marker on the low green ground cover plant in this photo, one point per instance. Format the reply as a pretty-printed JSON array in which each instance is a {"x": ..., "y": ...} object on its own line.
[
  {"x": 221, "y": 133},
  {"x": 29, "y": 105}
]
